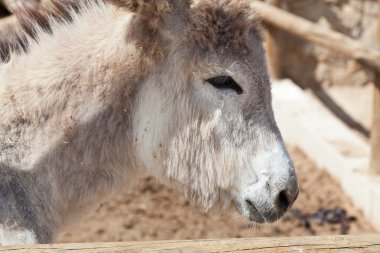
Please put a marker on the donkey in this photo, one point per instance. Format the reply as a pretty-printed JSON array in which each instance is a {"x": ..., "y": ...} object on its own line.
[{"x": 94, "y": 93}]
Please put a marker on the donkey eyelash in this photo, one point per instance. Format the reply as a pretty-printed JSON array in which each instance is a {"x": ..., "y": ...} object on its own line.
[{"x": 225, "y": 83}]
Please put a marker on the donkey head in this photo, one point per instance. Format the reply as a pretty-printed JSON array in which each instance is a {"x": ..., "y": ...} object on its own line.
[{"x": 203, "y": 119}]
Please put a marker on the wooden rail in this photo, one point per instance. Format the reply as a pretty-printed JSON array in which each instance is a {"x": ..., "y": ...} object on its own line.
[
  {"x": 338, "y": 43},
  {"x": 317, "y": 244},
  {"x": 309, "y": 31}
]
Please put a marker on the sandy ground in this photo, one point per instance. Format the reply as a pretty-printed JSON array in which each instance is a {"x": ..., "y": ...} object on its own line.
[{"x": 151, "y": 211}]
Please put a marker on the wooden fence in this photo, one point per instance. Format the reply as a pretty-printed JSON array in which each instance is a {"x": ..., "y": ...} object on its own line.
[
  {"x": 317, "y": 244},
  {"x": 275, "y": 18}
]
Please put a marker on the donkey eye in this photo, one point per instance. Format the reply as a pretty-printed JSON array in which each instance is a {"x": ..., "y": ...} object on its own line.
[{"x": 225, "y": 83}]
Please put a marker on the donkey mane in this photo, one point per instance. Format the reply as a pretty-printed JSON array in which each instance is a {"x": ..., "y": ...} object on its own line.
[
  {"x": 16, "y": 37},
  {"x": 211, "y": 26}
]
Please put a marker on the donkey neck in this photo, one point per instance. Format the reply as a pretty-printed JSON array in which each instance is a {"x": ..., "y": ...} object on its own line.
[
  {"x": 69, "y": 77},
  {"x": 66, "y": 106}
]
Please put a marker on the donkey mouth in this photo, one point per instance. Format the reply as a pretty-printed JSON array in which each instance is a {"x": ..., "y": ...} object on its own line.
[
  {"x": 248, "y": 210},
  {"x": 253, "y": 213}
]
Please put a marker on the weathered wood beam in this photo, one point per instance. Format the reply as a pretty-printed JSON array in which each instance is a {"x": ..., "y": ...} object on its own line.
[
  {"x": 375, "y": 131},
  {"x": 273, "y": 47},
  {"x": 309, "y": 31},
  {"x": 317, "y": 244}
]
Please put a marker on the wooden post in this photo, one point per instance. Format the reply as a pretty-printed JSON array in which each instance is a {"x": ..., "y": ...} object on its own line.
[
  {"x": 273, "y": 47},
  {"x": 375, "y": 131}
]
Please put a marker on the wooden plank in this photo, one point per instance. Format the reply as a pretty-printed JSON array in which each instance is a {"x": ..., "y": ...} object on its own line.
[
  {"x": 375, "y": 131},
  {"x": 309, "y": 31},
  {"x": 319, "y": 244},
  {"x": 273, "y": 48}
]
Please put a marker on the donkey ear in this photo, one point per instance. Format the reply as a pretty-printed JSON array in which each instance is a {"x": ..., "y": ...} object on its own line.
[{"x": 154, "y": 13}]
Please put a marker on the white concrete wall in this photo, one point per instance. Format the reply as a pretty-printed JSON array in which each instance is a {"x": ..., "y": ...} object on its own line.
[{"x": 306, "y": 123}]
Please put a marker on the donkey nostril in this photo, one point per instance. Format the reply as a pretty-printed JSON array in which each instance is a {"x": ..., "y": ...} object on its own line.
[{"x": 283, "y": 201}]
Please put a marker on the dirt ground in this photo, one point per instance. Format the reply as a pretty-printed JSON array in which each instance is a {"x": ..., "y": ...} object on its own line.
[{"x": 151, "y": 211}]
